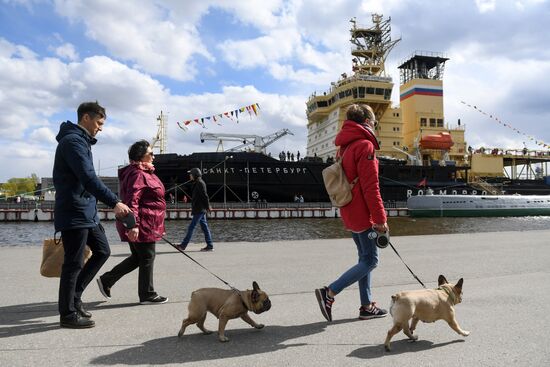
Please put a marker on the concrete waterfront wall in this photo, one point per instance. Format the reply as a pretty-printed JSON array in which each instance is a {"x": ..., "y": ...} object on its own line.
[{"x": 45, "y": 215}]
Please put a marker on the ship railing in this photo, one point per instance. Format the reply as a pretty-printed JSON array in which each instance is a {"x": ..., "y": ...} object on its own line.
[
  {"x": 350, "y": 79},
  {"x": 49, "y": 205},
  {"x": 441, "y": 55},
  {"x": 513, "y": 152},
  {"x": 26, "y": 205},
  {"x": 256, "y": 205}
]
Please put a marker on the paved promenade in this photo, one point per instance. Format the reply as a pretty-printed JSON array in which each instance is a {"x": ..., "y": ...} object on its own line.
[{"x": 506, "y": 307}]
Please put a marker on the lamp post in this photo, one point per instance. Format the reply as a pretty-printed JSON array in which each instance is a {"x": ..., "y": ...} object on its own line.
[{"x": 224, "y": 183}]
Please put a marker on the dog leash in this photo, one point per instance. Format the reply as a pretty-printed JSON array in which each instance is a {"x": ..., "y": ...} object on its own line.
[
  {"x": 129, "y": 222},
  {"x": 413, "y": 274},
  {"x": 199, "y": 264}
]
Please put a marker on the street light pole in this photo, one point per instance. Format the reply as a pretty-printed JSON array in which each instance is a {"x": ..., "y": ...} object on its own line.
[
  {"x": 224, "y": 190},
  {"x": 224, "y": 183},
  {"x": 247, "y": 182}
]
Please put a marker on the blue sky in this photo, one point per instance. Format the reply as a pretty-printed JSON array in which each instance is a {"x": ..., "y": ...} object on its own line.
[{"x": 199, "y": 58}]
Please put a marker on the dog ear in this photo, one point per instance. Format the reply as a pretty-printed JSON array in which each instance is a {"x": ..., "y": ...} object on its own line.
[
  {"x": 459, "y": 284},
  {"x": 441, "y": 280},
  {"x": 255, "y": 295}
]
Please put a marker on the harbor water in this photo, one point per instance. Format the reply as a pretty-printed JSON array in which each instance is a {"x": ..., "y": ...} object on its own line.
[{"x": 261, "y": 230}]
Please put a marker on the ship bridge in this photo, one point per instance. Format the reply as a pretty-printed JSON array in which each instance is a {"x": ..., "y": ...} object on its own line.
[{"x": 369, "y": 82}]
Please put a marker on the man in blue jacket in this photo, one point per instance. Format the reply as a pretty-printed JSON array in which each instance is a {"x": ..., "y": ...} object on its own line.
[{"x": 77, "y": 189}]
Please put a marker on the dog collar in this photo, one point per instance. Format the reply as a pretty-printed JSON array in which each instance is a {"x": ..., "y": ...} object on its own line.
[{"x": 241, "y": 297}]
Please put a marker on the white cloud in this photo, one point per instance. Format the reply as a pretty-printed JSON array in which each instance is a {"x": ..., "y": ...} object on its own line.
[
  {"x": 43, "y": 135},
  {"x": 262, "y": 51},
  {"x": 155, "y": 43},
  {"x": 485, "y": 6},
  {"x": 304, "y": 42},
  {"x": 67, "y": 51}
]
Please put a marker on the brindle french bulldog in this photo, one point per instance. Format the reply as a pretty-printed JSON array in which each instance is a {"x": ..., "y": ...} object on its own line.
[
  {"x": 427, "y": 305},
  {"x": 225, "y": 304}
]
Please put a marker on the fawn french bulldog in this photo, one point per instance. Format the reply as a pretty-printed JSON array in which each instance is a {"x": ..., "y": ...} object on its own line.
[{"x": 427, "y": 305}]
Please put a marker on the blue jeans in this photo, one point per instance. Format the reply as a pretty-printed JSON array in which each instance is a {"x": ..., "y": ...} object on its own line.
[
  {"x": 75, "y": 276},
  {"x": 198, "y": 218},
  {"x": 368, "y": 260}
]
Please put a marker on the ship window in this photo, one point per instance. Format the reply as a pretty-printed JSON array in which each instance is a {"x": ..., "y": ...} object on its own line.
[
  {"x": 439, "y": 122},
  {"x": 432, "y": 122},
  {"x": 348, "y": 92},
  {"x": 341, "y": 95},
  {"x": 387, "y": 93},
  {"x": 370, "y": 90},
  {"x": 361, "y": 92},
  {"x": 322, "y": 104},
  {"x": 423, "y": 121},
  {"x": 379, "y": 91}
]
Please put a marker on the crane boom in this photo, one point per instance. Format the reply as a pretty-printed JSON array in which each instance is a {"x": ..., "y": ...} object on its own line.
[{"x": 259, "y": 142}]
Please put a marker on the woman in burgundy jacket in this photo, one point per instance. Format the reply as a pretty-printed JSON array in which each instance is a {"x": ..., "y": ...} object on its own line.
[
  {"x": 143, "y": 192},
  {"x": 365, "y": 213}
]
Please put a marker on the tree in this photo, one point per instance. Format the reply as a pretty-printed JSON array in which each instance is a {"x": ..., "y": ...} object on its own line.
[{"x": 18, "y": 186}]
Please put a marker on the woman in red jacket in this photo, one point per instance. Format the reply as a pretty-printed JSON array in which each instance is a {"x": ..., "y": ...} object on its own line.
[
  {"x": 143, "y": 192},
  {"x": 364, "y": 214}
]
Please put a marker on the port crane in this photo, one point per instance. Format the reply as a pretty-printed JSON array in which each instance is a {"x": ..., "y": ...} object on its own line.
[{"x": 259, "y": 142}]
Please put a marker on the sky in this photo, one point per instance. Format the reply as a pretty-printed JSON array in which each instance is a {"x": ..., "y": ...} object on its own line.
[{"x": 192, "y": 59}]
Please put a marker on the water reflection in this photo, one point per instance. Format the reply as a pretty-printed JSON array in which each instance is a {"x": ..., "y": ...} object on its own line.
[{"x": 262, "y": 230}]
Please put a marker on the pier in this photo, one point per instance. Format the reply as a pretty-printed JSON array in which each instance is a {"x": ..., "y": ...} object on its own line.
[
  {"x": 502, "y": 271},
  {"x": 39, "y": 212}
]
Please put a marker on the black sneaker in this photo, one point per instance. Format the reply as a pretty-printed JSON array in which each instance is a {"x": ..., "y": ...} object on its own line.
[
  {"x": 106, "y": 291},
  {"x": 181, "y": 247},
  {"x": 154, "y": 300},
  {"x": 371, "y": 312},
  {"x": 207, "y": 248},
  {"x": 325, "y": 302},
  {"x": 75, "y": 321}
]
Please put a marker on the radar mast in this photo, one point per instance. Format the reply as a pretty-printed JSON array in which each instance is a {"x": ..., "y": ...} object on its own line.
[{"x": 371, "y": 46}]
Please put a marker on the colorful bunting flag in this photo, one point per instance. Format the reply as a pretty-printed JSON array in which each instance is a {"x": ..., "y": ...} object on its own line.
[
  {"x": 507, "y": 125},
  {"x": 232, "y": 115}
]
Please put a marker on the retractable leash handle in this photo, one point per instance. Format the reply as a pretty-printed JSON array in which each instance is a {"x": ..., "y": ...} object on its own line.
[{"x": 129, "y": 221}]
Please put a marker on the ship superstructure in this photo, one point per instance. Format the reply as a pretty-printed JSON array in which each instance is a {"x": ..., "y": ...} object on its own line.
[{"x": 402, "y": 129}]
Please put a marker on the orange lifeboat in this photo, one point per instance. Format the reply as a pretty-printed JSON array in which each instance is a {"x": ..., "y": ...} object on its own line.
[{"x": 440, "y": 141}]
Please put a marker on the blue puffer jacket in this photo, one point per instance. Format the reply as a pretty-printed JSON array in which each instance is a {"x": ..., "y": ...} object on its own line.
[{"x": 76, "y": 183}]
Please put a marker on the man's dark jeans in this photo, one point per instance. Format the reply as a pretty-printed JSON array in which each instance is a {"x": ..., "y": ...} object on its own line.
[{"x": 75, "y": 277}]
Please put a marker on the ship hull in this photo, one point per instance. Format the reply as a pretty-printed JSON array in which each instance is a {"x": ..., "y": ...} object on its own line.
[{"x": 248, "y": 176}]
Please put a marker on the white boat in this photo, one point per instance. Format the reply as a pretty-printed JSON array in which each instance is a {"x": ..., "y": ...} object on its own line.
[{"x": 477, "y": 206}]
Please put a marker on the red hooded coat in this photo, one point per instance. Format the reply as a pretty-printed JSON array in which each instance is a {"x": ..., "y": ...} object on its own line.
[
  {"x": 357, "y": 145},
  {"x": 143, "y": 192}
]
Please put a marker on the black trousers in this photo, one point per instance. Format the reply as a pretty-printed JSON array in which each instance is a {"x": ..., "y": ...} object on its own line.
[
  {"x": 142, "y": 257},
  {"x": 74, "y": 276}
]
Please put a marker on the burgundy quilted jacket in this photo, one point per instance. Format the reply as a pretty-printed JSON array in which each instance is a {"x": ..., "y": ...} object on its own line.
[{"x": 143, "y": 192}]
